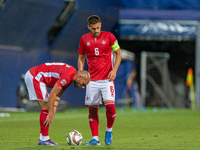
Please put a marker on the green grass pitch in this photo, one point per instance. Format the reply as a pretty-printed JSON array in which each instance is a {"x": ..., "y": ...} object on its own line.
[{"x": 150, "y": 129}]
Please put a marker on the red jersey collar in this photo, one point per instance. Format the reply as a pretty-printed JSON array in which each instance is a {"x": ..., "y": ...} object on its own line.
[{"x": 97, "y": 36}]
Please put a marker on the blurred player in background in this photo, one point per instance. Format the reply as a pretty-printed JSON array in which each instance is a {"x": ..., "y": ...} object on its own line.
[
  {"x": 22, "y": 92},
  {"x": 57, "y": 76},
  {"x": 98, "y": 46}
]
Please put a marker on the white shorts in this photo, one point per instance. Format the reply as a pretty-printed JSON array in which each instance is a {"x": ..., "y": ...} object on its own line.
[
  {"x": 36, "y": 90},
  {"x": 96, "y": 90}
]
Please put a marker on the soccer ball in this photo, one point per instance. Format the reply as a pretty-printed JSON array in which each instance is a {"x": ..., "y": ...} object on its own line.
[{"x": 74, "y": 138}]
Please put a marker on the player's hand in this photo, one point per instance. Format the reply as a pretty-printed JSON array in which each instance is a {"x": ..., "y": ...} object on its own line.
[
  {"x": 48, "y": 120},
  {"x": 112, "y": 75}
]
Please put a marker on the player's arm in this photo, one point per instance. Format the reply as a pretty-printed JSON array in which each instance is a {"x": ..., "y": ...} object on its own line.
[
  {"x": 54, "y": 99},
  {"x": 81, "y": 61},
  {"x": 117, "y": 51},
  {"x": 118, "y": 59}
]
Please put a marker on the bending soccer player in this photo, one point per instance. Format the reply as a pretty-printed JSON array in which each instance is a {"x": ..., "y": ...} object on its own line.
[
  {"x": 98, "y": 46},
  {"x": 57, "y": 76}
]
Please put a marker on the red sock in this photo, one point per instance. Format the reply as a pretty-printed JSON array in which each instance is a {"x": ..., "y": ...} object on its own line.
[
  {"x": 110, "y": 114},
  {"x": 94, "y": 119},
  {"x": 44, "y": 130}
]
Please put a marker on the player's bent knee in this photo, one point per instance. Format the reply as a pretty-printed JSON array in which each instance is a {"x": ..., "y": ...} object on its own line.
[
  {"x": 108, "y": 101},
  {"x": 43, "y": 104}
]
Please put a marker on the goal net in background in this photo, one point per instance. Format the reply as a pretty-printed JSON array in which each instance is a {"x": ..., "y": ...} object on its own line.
[{"x": 156, "y": 87}]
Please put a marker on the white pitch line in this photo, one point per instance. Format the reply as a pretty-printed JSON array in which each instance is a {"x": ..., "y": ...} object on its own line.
[{"x": 36, "y": 118}]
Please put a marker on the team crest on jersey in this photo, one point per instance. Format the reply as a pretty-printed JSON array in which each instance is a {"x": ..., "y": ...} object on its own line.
[
  {"x": 88, "y": 43},
  {"x": 103, "y": 42},
  {"x": 63, "y": 82}
]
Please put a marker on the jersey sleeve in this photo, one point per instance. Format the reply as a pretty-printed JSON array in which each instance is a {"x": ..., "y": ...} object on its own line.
[
  {"x": 63, "y": 83},
  {"x": 114, "y": 42},
  {"x": 66, "y": 78},
  {"x": 81, "y": 49}
]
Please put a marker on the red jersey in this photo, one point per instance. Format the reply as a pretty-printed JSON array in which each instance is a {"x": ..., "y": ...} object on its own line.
[
  {"x": 99, "y": 54},
  {"x": 52, "y": 73}
]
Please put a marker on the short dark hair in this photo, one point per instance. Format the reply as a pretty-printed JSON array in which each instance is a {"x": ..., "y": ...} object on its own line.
[{"x": 93, "y": 19}]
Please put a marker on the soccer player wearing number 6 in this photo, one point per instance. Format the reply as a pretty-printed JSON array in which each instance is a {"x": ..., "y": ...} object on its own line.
[
  {"x": 98, "y": 47},
  {"x": 57, "y": 76}
]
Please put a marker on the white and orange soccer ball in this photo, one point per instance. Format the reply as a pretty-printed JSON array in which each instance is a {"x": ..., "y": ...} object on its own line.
[{"x": 74, "y": 138}]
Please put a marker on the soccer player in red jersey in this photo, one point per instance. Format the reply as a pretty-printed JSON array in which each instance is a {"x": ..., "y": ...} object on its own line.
[
  {"x": 57, "y": 76},
  {"x": 98, "y": 47}
]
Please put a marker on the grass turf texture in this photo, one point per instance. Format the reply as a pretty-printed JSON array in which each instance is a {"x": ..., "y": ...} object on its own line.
[{"x": 148, "y": 129}]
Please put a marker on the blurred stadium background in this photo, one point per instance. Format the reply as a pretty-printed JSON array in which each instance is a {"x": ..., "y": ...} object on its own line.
[{"x": 33, "y": 32}]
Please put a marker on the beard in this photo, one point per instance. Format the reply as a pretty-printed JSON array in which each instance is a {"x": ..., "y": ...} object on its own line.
[
  {"x": 96, "y": 34},
  {"x": 75, "y": 85}
]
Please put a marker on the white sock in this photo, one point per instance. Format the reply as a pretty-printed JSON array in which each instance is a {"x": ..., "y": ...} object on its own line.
[
  {"x": 40, "y": 136},
  {"x": 96, "y": 138},
  {"x": 44, "y": 138},
  {"x": 109, "y": 129}
]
